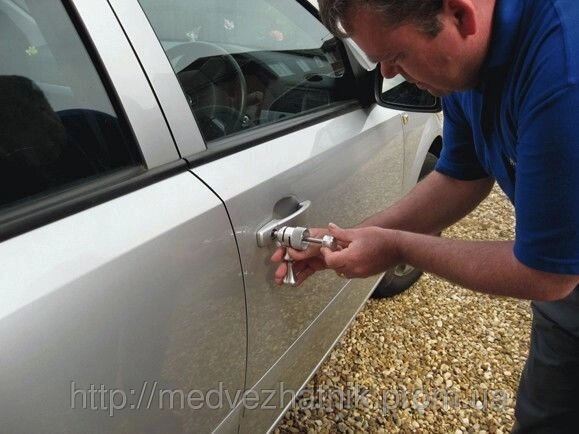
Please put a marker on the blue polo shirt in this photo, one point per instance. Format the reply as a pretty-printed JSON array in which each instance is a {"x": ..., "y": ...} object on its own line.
[{"x": 520, "y": 125}]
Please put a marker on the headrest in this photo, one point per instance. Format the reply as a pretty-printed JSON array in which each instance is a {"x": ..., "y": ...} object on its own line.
[{"x": 30, "y": 131}]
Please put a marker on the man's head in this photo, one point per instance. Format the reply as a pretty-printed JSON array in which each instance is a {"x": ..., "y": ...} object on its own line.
[
  {"x": 422, "y": 13},
  {"x": 439, "y": 45}
]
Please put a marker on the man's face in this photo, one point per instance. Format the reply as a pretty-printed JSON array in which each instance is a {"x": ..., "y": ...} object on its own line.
[{"x": 439, "y": 65}]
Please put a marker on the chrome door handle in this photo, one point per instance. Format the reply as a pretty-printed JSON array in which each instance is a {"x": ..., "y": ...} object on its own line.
[{"x": 264, "y": 234}]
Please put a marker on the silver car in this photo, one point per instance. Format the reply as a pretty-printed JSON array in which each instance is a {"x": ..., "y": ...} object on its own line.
[{"x": 144, "y": 144}]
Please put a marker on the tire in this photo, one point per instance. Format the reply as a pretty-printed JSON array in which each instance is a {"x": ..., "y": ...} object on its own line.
[
  {"x": 428, "y": 166},
  {"x": 396, "y": 281},
  {"x": 403, "y": 276}
]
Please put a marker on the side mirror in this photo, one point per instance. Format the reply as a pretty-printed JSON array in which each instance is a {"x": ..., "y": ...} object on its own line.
[{"x": 398, "y": 94}]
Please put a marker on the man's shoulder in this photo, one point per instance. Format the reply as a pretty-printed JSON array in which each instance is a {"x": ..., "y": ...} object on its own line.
[
  {"x": 547, "y": 18},
  {"x": 549, "y": 43}
]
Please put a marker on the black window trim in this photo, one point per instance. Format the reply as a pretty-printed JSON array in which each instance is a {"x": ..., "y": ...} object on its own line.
[{"x": 24, "y": 217}]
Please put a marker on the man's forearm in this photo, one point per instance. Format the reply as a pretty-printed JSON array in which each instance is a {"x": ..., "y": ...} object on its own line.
[
  {"x": 433, "y": 204},
  {"x": 486, "y": 266}
]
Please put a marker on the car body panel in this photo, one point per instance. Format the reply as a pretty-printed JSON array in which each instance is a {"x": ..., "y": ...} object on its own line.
[{"x": 122, "y": 296}]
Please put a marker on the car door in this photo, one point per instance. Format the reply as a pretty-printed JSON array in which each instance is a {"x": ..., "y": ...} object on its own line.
[
  {"x": 122, "y": 292},
  {"x": 301, "y": 143}
]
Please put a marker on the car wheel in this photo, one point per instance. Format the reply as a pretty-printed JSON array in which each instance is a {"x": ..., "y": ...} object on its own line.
[{"x": 403, "y": 276}]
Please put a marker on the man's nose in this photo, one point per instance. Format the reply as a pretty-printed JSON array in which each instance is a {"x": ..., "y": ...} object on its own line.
[{"x": 388, "y": 70}]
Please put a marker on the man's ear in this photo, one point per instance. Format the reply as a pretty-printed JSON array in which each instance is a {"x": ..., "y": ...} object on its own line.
[{"x": 462, "y": 14}]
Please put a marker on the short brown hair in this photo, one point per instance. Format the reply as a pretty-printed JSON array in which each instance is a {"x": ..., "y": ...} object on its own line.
[{"x": 422, "y": 13}]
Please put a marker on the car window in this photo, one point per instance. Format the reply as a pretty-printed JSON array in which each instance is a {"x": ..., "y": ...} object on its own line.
[
  {"x": 243, "y": 64},
  {"x": 58, "y": 127}
]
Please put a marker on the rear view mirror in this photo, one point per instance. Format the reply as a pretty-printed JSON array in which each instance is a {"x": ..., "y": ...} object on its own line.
[{"x": 398, "y": 94}]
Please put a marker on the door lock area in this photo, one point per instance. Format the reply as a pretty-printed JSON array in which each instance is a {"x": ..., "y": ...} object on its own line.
[{"x": 298, "y": 238}]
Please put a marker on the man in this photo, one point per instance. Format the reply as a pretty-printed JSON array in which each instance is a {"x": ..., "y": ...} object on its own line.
[{"x": 508, "y": 71}]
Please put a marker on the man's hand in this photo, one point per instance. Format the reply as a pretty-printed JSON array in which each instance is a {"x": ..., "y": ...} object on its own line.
[
  {"x": 365, "y": 251},
  {"x": 306, "y": 263}
]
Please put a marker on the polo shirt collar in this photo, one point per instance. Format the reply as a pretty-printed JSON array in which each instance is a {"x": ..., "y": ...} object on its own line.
[{"x": 508, "y": 15}]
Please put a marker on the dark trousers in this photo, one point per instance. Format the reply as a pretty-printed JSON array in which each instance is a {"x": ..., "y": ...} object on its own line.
[{"x": 548, "y": 395}]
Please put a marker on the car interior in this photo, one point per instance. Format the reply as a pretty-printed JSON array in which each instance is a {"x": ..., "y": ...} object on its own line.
[{"x": 244, "y": 64}]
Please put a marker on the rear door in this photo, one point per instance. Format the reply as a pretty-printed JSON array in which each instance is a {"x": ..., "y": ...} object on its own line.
[
  {"x": 300, "y": 134},
  {"x": 121, "y": 286}
]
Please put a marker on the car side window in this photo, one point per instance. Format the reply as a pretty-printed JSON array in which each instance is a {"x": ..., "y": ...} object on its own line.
[
  {"x": 58, "y": 127},
  {"x": 243, "y": 64}
]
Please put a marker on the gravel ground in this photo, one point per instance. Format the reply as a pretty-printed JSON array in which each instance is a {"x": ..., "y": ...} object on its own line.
[{"x": 436, "y": 359}]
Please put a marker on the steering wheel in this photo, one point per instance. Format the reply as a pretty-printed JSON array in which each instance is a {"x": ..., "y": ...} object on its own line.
[
  {"x": 217, "y": 121},
  {"x": 213, "y": 83}
]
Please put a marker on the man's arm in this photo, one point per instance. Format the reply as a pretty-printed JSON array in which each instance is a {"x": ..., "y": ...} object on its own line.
[
  {"x": 486, "y": 266},
  {"x": 434, "y": 204}
]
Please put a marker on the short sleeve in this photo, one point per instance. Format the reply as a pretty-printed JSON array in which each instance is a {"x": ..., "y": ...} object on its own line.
[
  {"x": 547, "y": 186},
  {"x": 458, "y": 158}
]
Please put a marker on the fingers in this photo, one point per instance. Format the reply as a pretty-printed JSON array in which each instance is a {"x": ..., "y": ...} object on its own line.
[
  {"x": 342, "y": 235},
  {"x": 313, "y": 259},
  {"x": 305, "y": 264},
  {"x": 281, "y": 270},
  {"x": 334, "y": 260},
  {"x": 339, "y": 259},
  {"x": 300, "y": 255},
  {"x": 302, "y": 270},
  {"x": 278, "y": 254},
  {"x": 280, "y": 273}
]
